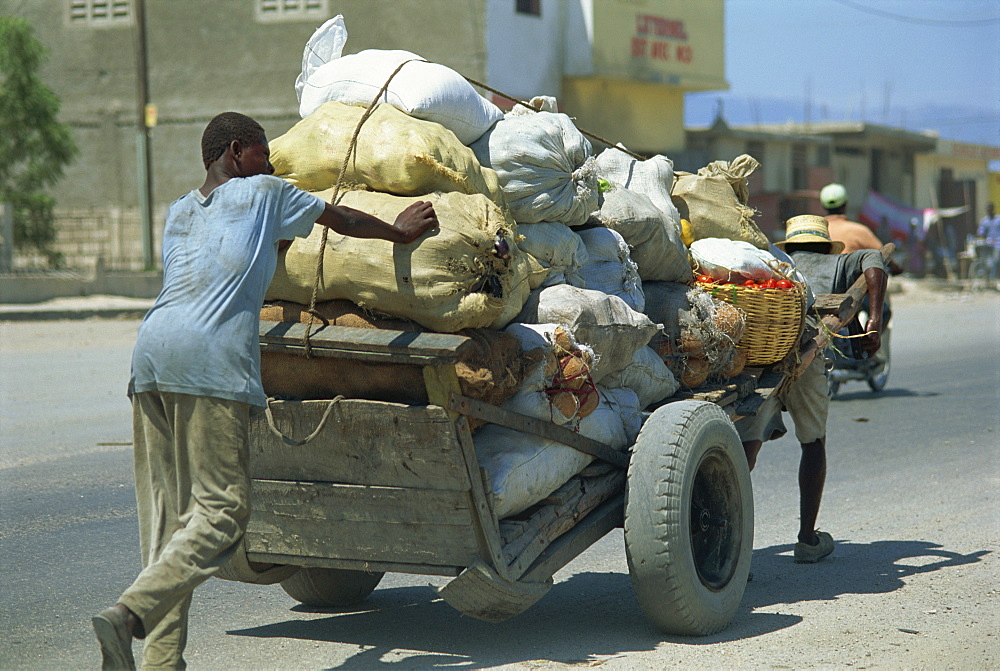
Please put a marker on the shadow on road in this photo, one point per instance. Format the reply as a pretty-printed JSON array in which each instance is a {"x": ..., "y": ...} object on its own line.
[
  {"x": 588, "y": 617},
  {"x": 863, "y": 393},
  {"x": 854, "y": 568},
  {"x": 594, "y": 616}
]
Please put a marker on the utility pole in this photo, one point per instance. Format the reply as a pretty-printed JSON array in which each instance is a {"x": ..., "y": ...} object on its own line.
[{"x": 145, "y": 118}]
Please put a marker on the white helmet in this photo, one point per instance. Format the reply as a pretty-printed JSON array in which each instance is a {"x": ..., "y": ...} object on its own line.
[{"x": 833, "y": 196}]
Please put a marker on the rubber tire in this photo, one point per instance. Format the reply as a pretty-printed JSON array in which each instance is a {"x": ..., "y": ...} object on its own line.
[
  {"x": 681, "y": 443},
  {"x": 330, "y": 588}
]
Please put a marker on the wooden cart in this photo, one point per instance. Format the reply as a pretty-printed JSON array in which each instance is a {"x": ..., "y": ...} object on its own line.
[{"x": 393, "y": 487}]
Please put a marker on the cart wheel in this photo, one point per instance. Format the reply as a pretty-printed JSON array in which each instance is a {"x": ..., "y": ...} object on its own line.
[
  {"x": 330, "y": 588},
  {"x": 689, "y": 518},
  {"x": 877, "y": 382}
]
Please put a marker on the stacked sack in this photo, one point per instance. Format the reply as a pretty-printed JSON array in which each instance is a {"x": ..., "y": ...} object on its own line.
[
  {"x": 466, "y": 273},
  {"x": 581, "y": 259}
]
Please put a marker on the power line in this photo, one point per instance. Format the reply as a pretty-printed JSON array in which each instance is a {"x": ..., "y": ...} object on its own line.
[{"x": 913, "y": 19}]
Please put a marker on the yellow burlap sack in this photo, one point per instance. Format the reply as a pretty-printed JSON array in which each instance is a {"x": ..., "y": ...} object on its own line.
[
  {"x": 714, "y": 202},
  {"x": 396, "y": 153},
  {"x": 452, "y": 277}
]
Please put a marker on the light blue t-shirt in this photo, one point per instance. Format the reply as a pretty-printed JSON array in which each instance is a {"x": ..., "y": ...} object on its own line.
[{"x": 219, "y": 256}]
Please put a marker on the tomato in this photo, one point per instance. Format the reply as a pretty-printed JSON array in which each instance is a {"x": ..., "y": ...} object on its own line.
[
  {"x": 705, "y": 279},
  {"x": 750, "y": 283},
  {"x": 770, "y": 284},
  {"x": 784, "y": 284}
]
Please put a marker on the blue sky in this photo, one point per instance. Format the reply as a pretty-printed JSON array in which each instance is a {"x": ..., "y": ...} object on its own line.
[{"x": 915, "y": 64}]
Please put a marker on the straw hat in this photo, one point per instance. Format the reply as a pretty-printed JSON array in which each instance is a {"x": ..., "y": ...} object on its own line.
[{"x": 809, "y": 228}]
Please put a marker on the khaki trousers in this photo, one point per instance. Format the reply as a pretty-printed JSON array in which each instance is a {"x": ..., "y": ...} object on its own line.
[{"x": 193, "y": 497}]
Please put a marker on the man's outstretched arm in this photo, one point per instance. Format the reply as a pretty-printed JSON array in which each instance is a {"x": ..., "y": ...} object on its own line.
[
  {"x": 877, "y": 280},
  {"x": 410, "y": 224}
]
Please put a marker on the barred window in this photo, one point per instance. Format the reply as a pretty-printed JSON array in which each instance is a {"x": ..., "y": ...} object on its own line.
[
  {"x": 532, "y": 7},
  {"x": 292, "y": 10},
  {"x": 100, "y": 12}
]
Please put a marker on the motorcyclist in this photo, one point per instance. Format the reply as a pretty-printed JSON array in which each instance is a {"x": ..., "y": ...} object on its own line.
[{"x": 854, "y": 235}]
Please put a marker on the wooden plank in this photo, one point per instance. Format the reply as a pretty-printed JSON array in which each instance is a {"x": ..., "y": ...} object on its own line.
[
  {"x": 589, "y": 530},
  {"x": 353, "y": 355},
  {"x": 354, "y": 565},
  {"x": 832, "y": 304},
  {"x": 362, "y": 443},
  {"x": 348, "y": 341},
  {"x": 312, "y": 520},
  {"x": 572, "y": 502},
  {"x": 748, "y": 406},
  {"x": 518, "y": 422},
  {"x": 442, "y": 384},
  {"x": 334, "y": 502}
]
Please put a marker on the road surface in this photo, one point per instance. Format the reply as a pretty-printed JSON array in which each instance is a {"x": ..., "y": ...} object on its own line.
[{"x": 911, "y": 500}]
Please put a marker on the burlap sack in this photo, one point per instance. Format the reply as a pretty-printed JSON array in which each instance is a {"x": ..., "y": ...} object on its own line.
[
  {"x": 544, "y": 165},
  {"x": 653, "y": 237},
  {"x": 714, "y": 202},
  {"x": 395, "y": 153},
  {"x": 558, "y": 249},
  {"x": 453, "y": 277},
  {"x": 604, "y": 323}
]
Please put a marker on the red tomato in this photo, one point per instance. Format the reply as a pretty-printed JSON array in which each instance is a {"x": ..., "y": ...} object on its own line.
[
  {"x": 705, "y": 279},
  {"x": 784, "y": 284},
  {"x": 750, "y": 283},
  {"x": 770, "y": 284}
]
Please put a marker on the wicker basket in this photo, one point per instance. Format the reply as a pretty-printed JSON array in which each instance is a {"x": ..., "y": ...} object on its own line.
[{"x": 774, "y": 319}]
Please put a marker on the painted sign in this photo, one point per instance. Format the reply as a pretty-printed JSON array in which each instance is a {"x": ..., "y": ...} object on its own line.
[{"x": 674, "y": 42}]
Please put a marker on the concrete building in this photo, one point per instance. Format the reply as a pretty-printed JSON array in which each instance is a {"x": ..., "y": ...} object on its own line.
[
  {"x": 918, "y": 170},
  {"x": 620, "y": 67}
]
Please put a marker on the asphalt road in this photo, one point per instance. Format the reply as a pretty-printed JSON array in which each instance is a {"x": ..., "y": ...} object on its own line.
[{"x": 911, "y": 499}]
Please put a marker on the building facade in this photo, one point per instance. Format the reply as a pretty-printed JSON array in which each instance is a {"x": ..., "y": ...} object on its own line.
[
  {"x": 619, "y": 67},
  {"x": 916, "y": 170}
]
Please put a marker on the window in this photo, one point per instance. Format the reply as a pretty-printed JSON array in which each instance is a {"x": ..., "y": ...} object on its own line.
[
  {"x": 533, "y": 7},
  {"x": 800, "y": 173},
  {"x": 100, "y": 12},
  {"x": 823, "y": 156},
  {"x": 292, "y": 10}
]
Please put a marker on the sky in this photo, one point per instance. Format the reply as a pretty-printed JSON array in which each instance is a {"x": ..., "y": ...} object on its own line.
[{"x": 913, "y": 64}]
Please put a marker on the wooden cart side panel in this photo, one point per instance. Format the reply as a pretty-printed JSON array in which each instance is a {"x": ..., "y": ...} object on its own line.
[
  {"x": 362, "y": 443},
  {"x": 375, "y": 524}
]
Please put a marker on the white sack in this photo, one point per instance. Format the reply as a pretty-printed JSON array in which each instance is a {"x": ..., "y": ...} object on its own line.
[
  {"x": 732, "y": 260},
  {"x": 610, "y": 268},
  {"x": 557, "y": 248},
  {"x": 325, "y": 45},
  {"x": 652, "y": 178},
  {"x": 606, "y": 323},
  {"x": 524, "y": 468},
  {"x": 654, "y": 239},
  {"x": 428, "y": 91},
  {"x": 647, "y": 375},
  {"x": 540, "y": 103},
  {"x": 534, "y": 398},
  {"x": 544, "y": 165}
]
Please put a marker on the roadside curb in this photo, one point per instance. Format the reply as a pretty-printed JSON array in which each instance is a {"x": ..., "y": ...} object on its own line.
[{"x": 56, "y": 314}]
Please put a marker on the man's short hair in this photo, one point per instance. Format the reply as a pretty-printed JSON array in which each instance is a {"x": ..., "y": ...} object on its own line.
[{"x": 225, "y": 128}]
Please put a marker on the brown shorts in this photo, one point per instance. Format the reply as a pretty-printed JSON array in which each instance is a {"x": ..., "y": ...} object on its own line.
[{"x": 807, "y": 400}]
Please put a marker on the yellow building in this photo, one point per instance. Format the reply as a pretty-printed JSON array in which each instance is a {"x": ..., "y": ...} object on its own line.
[{"x": 619, "y": 67}]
